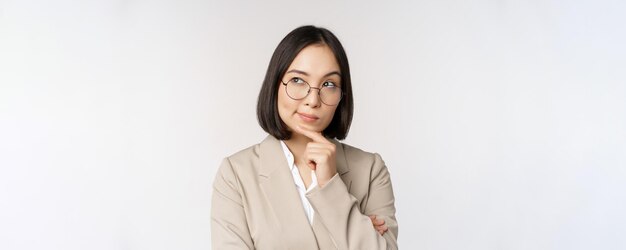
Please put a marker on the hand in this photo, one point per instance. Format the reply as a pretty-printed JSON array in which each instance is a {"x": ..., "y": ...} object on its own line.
[
  {"x": 319, "y": 155},
  {"x": 379, "y": 224}
]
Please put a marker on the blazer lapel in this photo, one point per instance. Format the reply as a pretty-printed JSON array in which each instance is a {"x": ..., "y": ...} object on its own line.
[
  {"x": 342, "y": 164},
  {"x": 279, "y": 188}
]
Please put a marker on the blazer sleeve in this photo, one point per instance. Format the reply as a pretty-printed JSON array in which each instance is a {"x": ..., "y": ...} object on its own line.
[
  {"x": 339, "y": 211},
  {"x": 229, "y": 229}
]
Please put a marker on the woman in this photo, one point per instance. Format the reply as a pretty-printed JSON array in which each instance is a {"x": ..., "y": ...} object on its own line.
[{"x": 300, "y": 188}]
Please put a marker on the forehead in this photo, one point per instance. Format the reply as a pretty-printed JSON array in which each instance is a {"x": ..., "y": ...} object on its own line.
[{"x": 315, "y": 59}]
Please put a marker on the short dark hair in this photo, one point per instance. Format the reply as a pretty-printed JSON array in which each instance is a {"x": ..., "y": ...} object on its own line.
[{"x": 286, "y": 51}]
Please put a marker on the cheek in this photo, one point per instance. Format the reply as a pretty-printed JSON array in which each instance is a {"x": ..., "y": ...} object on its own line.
[
  {"x": 330, "y": 114},
  {"x": 284, "y": 103}
]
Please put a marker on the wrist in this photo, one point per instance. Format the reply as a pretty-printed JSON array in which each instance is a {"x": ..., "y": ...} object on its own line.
[{"x": 323, "y": 180}]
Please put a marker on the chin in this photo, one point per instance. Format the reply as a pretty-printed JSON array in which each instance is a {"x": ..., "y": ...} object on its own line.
[{"x": 316, "y": 127}]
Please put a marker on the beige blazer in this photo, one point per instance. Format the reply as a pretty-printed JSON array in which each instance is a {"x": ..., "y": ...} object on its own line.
[{"x": 255, "y": 204}]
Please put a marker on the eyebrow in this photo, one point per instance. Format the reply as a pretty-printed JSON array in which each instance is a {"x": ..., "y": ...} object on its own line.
[{"x": 307, "y": 74}]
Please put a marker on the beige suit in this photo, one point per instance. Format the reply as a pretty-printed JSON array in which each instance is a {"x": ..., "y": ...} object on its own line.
[{"x": 255, "y": 203}]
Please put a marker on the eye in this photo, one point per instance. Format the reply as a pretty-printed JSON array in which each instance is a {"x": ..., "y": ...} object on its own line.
[
  {"x": 297, "y": 80},
  {"x": 329, "y": 84}
]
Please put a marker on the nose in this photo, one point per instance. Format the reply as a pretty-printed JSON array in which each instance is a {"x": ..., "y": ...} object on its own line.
[{"x": 313, "y": 99}]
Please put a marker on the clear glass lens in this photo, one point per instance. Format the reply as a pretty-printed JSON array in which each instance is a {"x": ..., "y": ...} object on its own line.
[
  {"x": 298, "y": 89},
  {"x": 330, "y": 95}
]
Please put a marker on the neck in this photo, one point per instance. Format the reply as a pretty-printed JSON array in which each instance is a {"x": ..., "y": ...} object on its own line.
[
  {"x": 297, "y": 144},
  {"x": 298, "y": 139}
]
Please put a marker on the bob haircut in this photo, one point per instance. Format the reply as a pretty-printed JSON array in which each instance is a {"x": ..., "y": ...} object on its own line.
[{"x": 288, "y": 48}]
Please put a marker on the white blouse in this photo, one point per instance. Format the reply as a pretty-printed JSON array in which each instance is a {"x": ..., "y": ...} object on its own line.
[{"x": 308, "y": 209}]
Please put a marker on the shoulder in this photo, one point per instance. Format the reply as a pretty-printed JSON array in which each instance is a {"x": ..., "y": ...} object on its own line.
[
  {"x": 245, "y": 160},
  {"x": 354, "y": 151},
  {"x": 359, "y": 157},
  {"x": 249, "y": 161},
  {"x": 245, "y": 155}
]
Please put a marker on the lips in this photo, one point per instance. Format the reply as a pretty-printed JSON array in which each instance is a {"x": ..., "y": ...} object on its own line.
[{"x": 308, "y": 117}]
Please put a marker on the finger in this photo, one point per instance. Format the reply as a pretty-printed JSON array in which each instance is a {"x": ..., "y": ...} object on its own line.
[
  {"x": 311, "y": 161},
  {"x": 375, "y": 222},
  {"x": 313, "y": 158},
  {"x": 318, "y": 155},
  {"x": 381, "y": 222},
  {"x": 314, "y": 135},
  {"x": 312, "y": 165},
  {"x": 322, "y": 146},
  {"x": 318, "y": 150},
  {"x": 378, "y": 222}
]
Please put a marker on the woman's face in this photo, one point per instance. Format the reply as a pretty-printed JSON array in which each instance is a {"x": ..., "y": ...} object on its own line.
[{"x": 317, "y": 66}]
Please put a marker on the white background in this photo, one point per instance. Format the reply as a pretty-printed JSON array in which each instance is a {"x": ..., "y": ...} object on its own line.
[{"x": 502, "y": 122}]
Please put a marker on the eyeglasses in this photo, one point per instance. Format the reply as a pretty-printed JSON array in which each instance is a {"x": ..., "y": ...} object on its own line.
[{"x": 297, "y": 89}]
